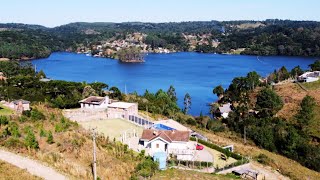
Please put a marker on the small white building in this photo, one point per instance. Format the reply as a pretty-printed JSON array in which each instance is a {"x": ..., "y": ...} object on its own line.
[
  {"x": 113, "y": 108},
  {"x": 122, "y": 110},
  {"x": 309, "y": 76},
  {"x": 2, "y": 77},
  {"x": 225, "y": 110},
  {"x": 172, "y": 142},
  {"x": 95, "y": 102},
  {"x": 20, "y": 105}
]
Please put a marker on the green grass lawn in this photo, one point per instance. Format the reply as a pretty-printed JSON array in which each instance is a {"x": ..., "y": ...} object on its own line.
[
  {"x": 4, "y": 111},
  {"x": 312, "y": 85},
  {"x": 112, "y": 127}
]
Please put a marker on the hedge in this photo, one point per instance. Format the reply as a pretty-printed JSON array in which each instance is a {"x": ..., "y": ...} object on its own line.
[{"x": 191, "y": 163}]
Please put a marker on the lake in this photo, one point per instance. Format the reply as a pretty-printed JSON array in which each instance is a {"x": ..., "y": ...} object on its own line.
[{"x": 190, "y": 72}]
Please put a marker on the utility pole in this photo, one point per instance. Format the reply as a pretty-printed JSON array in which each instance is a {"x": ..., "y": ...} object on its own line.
[{"x": 94, "y": 154}]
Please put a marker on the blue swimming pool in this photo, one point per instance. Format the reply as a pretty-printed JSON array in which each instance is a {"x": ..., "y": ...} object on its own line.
[{"x": 162, "y": 127}]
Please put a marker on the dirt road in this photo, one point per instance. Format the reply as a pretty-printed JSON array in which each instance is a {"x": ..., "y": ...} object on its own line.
[{"x": 32, "y": 166}]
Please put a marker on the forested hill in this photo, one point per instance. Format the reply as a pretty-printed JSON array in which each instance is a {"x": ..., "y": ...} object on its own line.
[
  {"x": 172, "y": 27},
  {"x": 270, "y": 37},
  {"x": 273, "y": 37}
]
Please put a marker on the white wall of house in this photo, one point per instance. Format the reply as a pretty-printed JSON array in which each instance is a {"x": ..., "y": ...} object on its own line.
[
  {"x": 123, "y": 113},
  {"x": 26, "y": 107},
  {"x": 185, "y": 157},
  {"x": 225, "y": 115},
  {"x": 104, "y": 104},
  {"x": 181, "y": 149},
  {"x": 311, "y": 79},
  {"x": 158, "y": 145},
  {"x": 133, "y": 110},
  {"x": 177, "y": 145},
  {"x": 117, "y": 113}
]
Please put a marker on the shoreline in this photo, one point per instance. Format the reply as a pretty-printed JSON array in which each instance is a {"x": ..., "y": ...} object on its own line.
[{"x": 211, "y": 53}]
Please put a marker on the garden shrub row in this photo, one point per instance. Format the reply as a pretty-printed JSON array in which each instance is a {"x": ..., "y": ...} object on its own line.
[{"x": 190, "y": 163}]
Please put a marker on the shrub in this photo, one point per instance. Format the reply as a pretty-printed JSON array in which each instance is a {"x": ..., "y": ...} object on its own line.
[
  {"x": 191, "y": 122},
  {"x": 4, "y": 120},
  {"x": 52, "y": 117},
  {"x": 13, "y": 142},
  {"x": 50, "y": 138},
  {"x": 215, "y": 126},
  {"x": 37, "y": 115},
  {"x": 13, "y": 128},
  {"x": 30, "y": 140},
  {"x": 142, "y": 153},
  {"x": 26, "y": 113},
  {"x": 23, "y": 119},
  {"x": 43, "y": 133},
  {"x": 263, "y": 159},
  {"x": 146, "y": 168},
  {"x": 63, "y": 125}
]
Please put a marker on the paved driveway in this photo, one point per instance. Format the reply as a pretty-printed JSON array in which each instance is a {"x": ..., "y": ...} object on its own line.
[{"x": 201, "y": 155}]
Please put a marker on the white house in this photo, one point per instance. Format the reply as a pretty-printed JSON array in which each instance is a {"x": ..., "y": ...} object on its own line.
[
  {"x": 113, "y": 109},
  {"x": 225, "y": 110},
  {"x": 172, "y": 142},
  {"x": 95, "y": 102},
  {"x": 309, "y": 76},
  {"x": 18, "y": 105}
]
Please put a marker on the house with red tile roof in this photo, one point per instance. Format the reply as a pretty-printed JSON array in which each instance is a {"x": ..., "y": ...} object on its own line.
[{"x": 172, "y": 142}]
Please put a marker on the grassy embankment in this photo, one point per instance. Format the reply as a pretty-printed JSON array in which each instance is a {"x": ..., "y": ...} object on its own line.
[
  {"x": 292, "y": 96},
  {"x": 10, "y": 172},
  {"x": 4, "y": 111}
]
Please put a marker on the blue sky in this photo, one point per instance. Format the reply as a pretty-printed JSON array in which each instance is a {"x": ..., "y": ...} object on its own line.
[{"x": 58, "y": 12}]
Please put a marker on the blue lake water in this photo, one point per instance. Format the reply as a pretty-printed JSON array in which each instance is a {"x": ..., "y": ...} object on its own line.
[{"x": 194, "y": 73}]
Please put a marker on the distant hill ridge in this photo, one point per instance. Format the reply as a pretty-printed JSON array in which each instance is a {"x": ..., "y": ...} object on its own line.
[{"x": 269, "y": 37}]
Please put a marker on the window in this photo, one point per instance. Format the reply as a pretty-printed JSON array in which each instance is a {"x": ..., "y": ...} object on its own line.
[{"x": 157, "y": 145}]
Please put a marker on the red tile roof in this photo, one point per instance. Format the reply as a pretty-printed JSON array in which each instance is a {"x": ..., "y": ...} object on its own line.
[{"x": 173, "y": 135}]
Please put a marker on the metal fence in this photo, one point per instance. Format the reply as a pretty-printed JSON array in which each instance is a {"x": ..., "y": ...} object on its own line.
[{"x": 140, "y": 121}]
